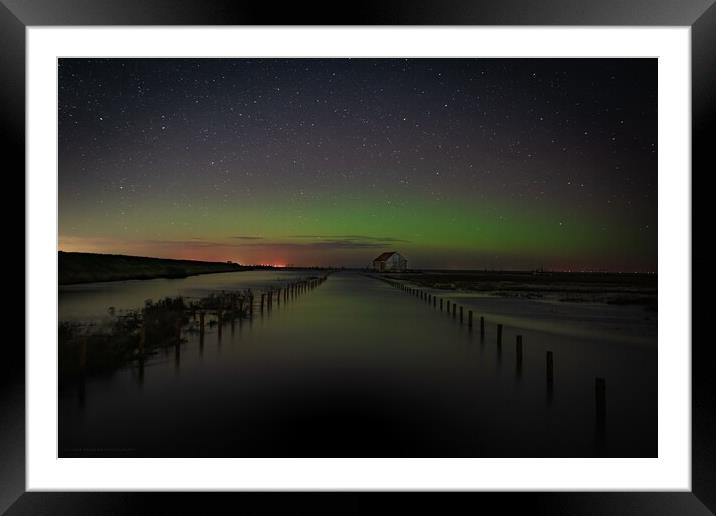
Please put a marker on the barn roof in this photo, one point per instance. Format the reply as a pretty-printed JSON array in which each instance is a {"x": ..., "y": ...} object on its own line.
[{"x": 383, "y": 257}]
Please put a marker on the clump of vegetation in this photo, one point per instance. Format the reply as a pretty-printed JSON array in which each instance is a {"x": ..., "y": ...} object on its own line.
[
  {"x": 91, "y": 350},
  {"x": 231, "y": 303},
  {"x": 136, "y": 334}
]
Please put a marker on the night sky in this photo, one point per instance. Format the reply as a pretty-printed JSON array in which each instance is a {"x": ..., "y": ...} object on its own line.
[{"x": 456, "y": 163}]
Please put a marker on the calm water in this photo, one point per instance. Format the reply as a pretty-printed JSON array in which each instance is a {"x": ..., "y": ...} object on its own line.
[{"x": 359, "y": 368}]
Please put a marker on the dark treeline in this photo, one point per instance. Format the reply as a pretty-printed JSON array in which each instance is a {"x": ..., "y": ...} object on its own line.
[{"x": 91, "y": 267}]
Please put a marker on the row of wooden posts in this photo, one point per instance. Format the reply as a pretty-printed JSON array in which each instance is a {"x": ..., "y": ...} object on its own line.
[
  {"x": 266, "y": 300},
  {"x": 453, "y": 309},
  {"x": 291, "y": 291}
]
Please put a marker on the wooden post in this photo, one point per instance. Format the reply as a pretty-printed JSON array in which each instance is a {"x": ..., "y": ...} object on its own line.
[
  {"x": 142, "y": 336},
  {"x": 454, "y": 310},
  {"x": 600, "y": 398},
  {"x": 448, "y": 306},
  {"x": 518, "y": 350},
  {"x": 220, "y": 320},
  {"x": 550, "y": 369},
  {"x": 499, "y": 334},
  {"x": 201, "y": 329},
  {"x": 278, "y": 297},
  {"x": 469, "y": 319},
  {"x": 83, "y": 352},
  {"x": 177, "y": 355},
  {"x": 434, "y": 301},
  {"x": 441, "y": 304},
  {"x": 460, "y": 315},
  {"x": 482, "y": 326},
  {"x": 262, "y": 302}
]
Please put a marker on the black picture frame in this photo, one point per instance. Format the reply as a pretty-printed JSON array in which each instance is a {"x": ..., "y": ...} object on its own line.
[{"x": 17, "y": 15}]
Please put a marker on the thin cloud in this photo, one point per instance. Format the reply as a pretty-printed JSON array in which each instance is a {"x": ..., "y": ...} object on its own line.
[
  {"x": 353, "y": 238},
  {"x": 324, "y": 245}
]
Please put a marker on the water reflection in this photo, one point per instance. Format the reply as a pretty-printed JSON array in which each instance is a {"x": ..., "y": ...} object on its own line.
[
  {"x": 600, "y": 419},
  {"x": 350, "y": 367}
]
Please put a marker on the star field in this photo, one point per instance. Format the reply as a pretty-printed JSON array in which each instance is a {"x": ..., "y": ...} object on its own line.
[{"x": 457, "y": 163}]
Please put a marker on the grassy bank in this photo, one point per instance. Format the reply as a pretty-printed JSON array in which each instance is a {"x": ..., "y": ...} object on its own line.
[{"x": 90, "y": 267}]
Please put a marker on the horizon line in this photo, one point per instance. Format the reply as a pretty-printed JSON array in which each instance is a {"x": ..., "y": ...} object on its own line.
[{"x": 539, "y": 269}]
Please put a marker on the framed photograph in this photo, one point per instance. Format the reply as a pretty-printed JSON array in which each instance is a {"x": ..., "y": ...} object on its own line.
[{"x": 435, "y": 249}]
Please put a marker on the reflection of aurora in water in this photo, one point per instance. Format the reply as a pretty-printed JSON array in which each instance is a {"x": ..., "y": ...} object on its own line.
[{"x": 360, "y": 368}]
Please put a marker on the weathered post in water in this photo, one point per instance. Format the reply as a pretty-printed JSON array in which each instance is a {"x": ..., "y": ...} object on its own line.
[
  {"x": 441, "y": 304},
  {"x": 518, "y": 353},
  {"x": 550, "y": 369},
  {"x": 460, "y": 315},
  {"x": 177, "y": 355},
  {"x": 499, "y": 334},
  {"x": 469, "y": 319},
  {"x": 600, "y": 398},
  {"x": 482, "y": 326},
  {"x": 454, "y": 310},
  {"x": 518, "y": 348},
  {"x": 83, "y": 353},
  {"x": 201, "y": 329},
  {"x": 142, "y": 335},
  {"x": 262, "y": 302}
]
